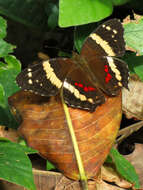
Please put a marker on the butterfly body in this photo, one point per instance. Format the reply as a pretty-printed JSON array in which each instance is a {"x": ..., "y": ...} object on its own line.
[{"x": 87, "y": 76}]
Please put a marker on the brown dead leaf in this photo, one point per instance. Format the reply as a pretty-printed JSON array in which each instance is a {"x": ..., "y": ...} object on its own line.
[
  {"x": 107, "y": 186},
  {"x": 110, "y": 174},
  {"x": 136, "y": 19},
  {"x": 132, "y": 100},
  {"x": 45, "y": 128},
  {"x": 136, "y": 159}
]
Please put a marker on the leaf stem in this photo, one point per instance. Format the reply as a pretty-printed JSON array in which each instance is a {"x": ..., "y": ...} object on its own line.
[
  {"x": 83, "y": 177},
  {"x": 124, "y": 133}
]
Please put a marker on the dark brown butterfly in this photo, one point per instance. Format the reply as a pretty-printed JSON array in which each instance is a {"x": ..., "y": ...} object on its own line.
[{"x": 87, "y": 76}]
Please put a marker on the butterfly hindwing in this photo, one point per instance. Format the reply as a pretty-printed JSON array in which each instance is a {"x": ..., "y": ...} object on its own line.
[
  {"x": 79, "y": 92},
  {"x": 45, "y": 78}
]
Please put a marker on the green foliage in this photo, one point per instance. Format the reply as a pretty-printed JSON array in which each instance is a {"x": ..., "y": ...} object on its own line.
[
  {"x": 135, "y": 64},
  {"x": 9, "y": 68},
  {"x": 124, "y": 167},
  {"x": 82, "y": 12},
  {"x": 133, "y": 35},
  {"x": 15, "y": 165},
  {"x": 50, "y": 166},
  {"x": 52, "y": 12},
  {"x": 81, "y": 32},
  {"x": 44, "y": 14}
]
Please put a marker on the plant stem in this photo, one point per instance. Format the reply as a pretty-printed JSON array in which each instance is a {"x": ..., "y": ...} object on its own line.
[
  {"x": 124, "y": 133},
  {"x": 83, "y": 177}
]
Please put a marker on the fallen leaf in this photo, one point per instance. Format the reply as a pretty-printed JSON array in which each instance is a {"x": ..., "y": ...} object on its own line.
[
  {"x": 132, "y": 100},
  {"x": 45, "y": 128},
  {"x": 109, "y": 174}
]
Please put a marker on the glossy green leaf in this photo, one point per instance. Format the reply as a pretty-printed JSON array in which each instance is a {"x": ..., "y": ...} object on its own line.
[
  {"x": 8, "y": 73},
  {"x": 135, "y": 64},
  {"x": 133, "y": 35},
  {"x": 15, "y": 166},
  {"x": 124, "y": 167},
  {"x": 3, "y": 26},
  {"x": 2, "y": 97},
  {"x": 5, "y": 48},
  {"x": 79, "y": 12}
]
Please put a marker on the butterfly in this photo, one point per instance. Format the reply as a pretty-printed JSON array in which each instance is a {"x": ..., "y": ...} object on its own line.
[{"x": 86, "y": 77}]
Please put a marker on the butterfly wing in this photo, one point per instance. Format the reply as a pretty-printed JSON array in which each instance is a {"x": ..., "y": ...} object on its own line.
[
  {"x": 107, "y": 39},
  {"x": 45, "y": 78},
  {"x": 98, "y": 53},
  {"x": 79, "y": 91}
]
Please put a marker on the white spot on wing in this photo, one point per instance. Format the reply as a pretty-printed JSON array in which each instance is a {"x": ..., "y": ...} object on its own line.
[
  {"x": 30, "y": 81},
  {"x": 29, "y": 70},
  {"x": 108, "y": 27},
  {"x": 115, "y": 31},
  {"x": 29, "y": 74}
]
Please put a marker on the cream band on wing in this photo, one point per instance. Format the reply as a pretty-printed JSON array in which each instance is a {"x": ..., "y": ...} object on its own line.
[
  {"x": 51, "y": 75},
  {"x": 104, "y": 44},
  {"x": 76, "y": 92},
  {"x": 114, "y": 69}
]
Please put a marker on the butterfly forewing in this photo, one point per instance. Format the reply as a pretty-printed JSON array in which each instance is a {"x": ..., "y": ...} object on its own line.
[
  {"x": 45, "y": 78},
  {"x": 107, "y": 39},
  {"x": 80, "y": 92},
  {"x": 98, "y": 53}
]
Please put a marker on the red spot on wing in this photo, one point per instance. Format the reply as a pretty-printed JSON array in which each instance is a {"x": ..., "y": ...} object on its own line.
[
  {"x": 80, "y": 85},
  {"x": 108, "y": 76},
  {"x": 106, "y": 68},
  {"x": 85, "y": 88},
  {"x": 91, "y": 88}
]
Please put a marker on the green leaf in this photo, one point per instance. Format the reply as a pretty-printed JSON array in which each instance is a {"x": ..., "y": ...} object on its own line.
[
  {"x": 6, "y": 48},
  {"x": 3, "y": 26},
  {"x": 30, "y": 12},
  {"x": 49, "y": 166},
  {"x": 109, "y": 159},
  {"x": 79, "y": 12},
  {"x": 15, "y": 166},
  {"x": 2, "y": 97},
  {"x": 8, "y": 73},
  {"x": 124, "y": 167},
  {"x": 135, "y": 64},
  {"x": 133, "y": 34}
]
